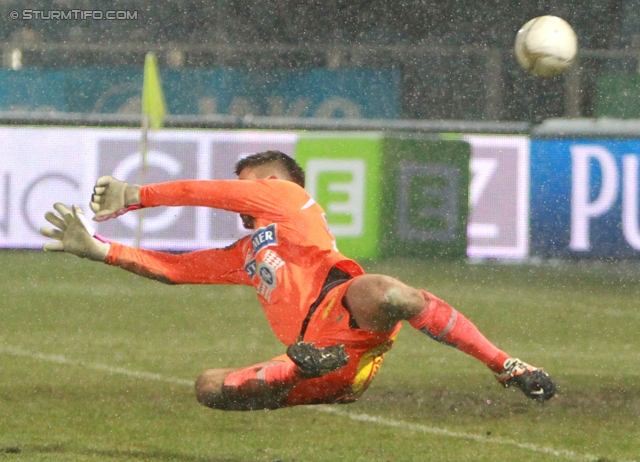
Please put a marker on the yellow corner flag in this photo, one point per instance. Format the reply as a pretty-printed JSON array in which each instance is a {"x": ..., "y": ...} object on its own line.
[{"x": 153, "y": 104}]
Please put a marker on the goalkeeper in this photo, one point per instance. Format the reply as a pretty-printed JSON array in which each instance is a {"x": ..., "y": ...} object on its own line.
[{"x": 336, "y": 321}]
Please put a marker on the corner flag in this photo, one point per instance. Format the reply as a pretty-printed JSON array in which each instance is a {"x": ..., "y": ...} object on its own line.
[
  {"x": 153, "y": 105},
  {"x": 153, "y": 111}
]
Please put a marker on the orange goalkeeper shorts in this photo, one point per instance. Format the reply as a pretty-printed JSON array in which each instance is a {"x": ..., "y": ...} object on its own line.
[{"x": 332, "y": 324}]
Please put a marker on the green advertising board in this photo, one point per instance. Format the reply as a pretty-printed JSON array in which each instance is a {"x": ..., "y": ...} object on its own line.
[
  {"x": 343, "y": 173},
  {"x": 426, "y": 197},
  {"x": 390, "y": 195}
]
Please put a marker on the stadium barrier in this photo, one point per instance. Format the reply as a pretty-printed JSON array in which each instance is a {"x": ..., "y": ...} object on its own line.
[
  {"x": 316, "y": 92},
  {"x": 436, "y": 81},
  {"x": 569, "y": 191},
  {"x": 46, "y": 163}
]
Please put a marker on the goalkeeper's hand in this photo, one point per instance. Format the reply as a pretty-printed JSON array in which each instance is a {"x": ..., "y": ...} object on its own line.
[
  {"x": 74, "y": 234},
  {"x": 112, "y": 198}
]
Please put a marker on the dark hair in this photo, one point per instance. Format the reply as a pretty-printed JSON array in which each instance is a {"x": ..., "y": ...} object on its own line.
[{"x": 289, "y": 165}]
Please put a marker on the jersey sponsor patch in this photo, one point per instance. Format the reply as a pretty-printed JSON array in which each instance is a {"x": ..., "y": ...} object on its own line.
[
  {"x": 264, "y": 290},
  {"x": 272, "y": 258},
  {"x": 266, "y": 270},
  {"x": 267, "y": 275},
  {"x": 250, "y": 268},
  {"x": 264, "y": 237}
]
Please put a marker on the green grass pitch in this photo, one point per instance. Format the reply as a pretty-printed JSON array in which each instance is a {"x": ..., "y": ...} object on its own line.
[{"x": 96, "y": 364}]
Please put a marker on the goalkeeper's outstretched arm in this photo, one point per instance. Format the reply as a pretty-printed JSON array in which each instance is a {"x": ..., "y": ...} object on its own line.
[
  {"x": 211, "y": 266},
  {"x": 74, "y": 234},
  {"x": 112, "y": 197}
]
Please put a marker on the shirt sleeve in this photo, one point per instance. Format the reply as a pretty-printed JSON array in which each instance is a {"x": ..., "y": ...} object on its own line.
[
  {"x": 268, "y": 199},
  {"x": 212, "y": 266}
]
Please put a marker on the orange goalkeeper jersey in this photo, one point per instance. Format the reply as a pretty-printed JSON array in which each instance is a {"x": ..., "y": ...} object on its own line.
[{"x": 286, "y": 258}]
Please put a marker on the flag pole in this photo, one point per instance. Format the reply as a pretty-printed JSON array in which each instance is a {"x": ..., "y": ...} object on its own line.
[
  {"x": 144, "y": 149},
  {"x": 153, "y": 112}
]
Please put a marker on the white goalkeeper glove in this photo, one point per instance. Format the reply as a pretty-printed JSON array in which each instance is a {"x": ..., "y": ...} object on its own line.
[
  {"x": 74, "y": 234},
  {"x": 112, "y": 198}
]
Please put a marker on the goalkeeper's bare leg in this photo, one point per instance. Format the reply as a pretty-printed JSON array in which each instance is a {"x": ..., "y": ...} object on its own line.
[
  {"x": 248, "y": 393},
  {"x": 378, "y": 302},
  {"x": 267, "y": 385}
]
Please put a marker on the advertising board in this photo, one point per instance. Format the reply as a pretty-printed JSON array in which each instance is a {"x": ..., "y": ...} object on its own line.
[
  {"x": 425, "y": 186},
  {"x": 325, "y": 93},
  {"x": 584, "y": 198},
  {"x": 42, "y": 165},
  {"x": 498, "y": 197}
]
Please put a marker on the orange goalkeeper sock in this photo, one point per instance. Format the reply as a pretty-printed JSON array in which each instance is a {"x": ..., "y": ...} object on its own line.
[
  {"x": 280, "y": 374},
  {"x": 443, "y": 323}
]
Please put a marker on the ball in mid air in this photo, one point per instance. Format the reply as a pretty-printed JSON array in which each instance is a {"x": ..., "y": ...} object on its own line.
[{"x": 546, "y": 46}]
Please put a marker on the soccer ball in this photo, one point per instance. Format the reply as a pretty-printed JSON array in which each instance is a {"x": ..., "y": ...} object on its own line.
[{"x": 546, "y": 46}]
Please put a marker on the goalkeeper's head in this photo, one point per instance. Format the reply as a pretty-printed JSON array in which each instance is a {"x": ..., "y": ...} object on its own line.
[{"x": 270, "y": 164}]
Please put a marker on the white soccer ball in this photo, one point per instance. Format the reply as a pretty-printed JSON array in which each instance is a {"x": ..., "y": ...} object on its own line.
[{"x": 546, "y": 46}]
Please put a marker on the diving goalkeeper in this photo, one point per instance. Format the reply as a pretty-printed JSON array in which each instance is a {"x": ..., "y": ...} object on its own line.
[{"x": 337, "y": 322}]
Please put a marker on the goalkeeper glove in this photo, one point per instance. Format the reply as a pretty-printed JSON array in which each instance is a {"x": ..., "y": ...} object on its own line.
[
  {"x": 74, "y": 233},
  {"x": 112, "y": 198}
]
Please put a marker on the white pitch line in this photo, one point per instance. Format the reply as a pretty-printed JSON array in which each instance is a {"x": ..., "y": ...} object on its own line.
[
  {"x": 59, "y": 359},
  {"x": 468, "y": 436}
]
